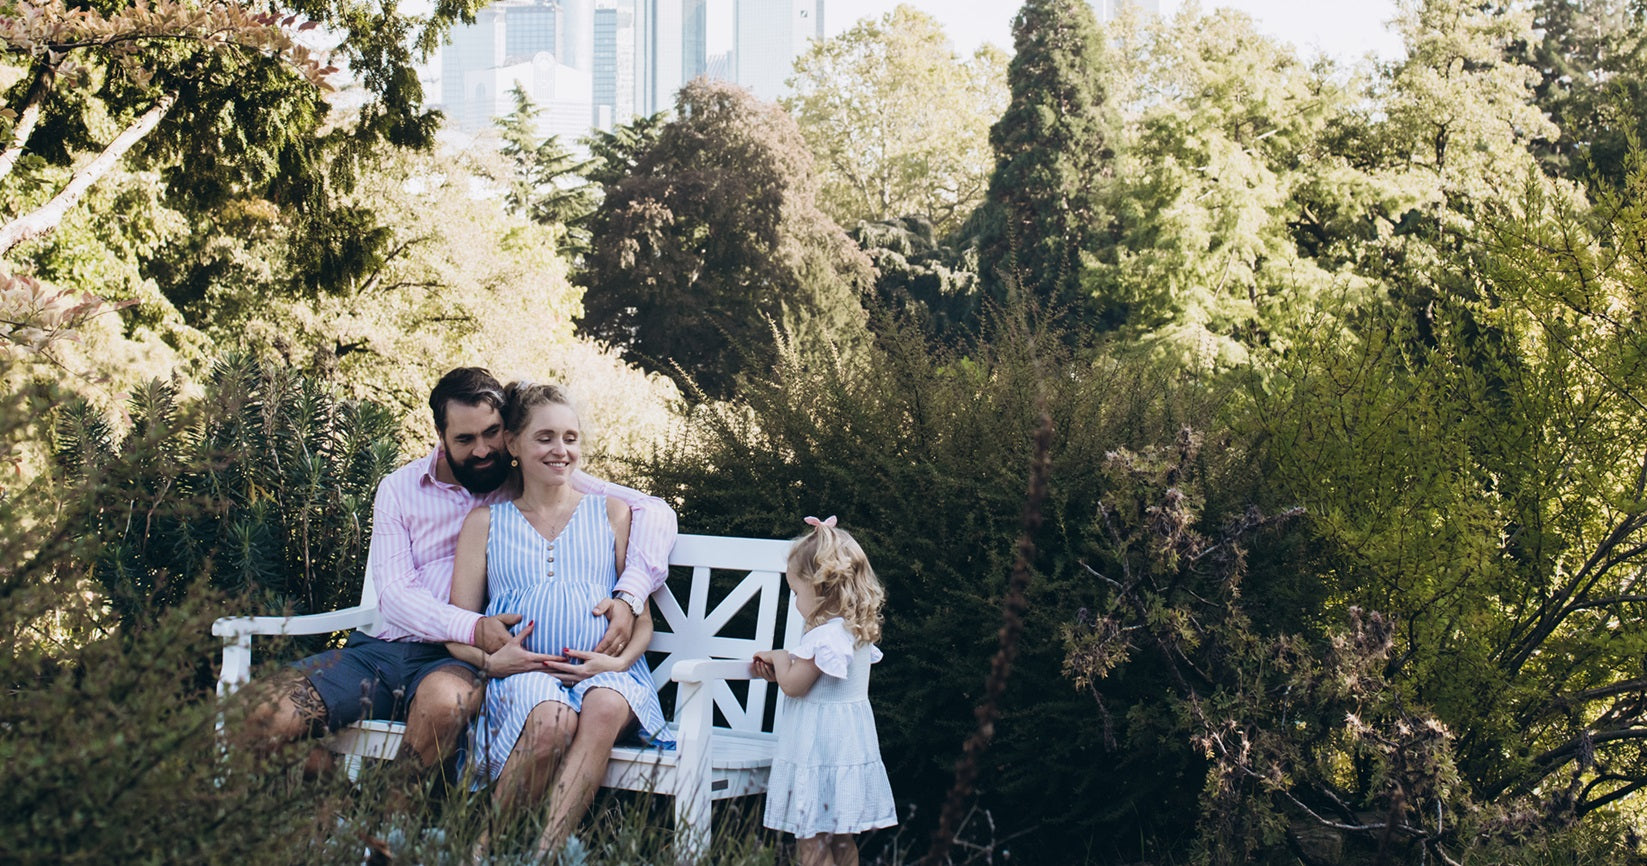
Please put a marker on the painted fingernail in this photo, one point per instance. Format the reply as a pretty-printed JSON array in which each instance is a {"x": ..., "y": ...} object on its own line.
[{"x": 565, "y": 649}]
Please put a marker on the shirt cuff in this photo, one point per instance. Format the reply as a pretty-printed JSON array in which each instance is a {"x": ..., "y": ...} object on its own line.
[
  {"x": 635, "y": 580},
  {"x": 463, "y": 627}
]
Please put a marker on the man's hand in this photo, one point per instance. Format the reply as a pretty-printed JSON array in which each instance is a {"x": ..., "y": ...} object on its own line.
[
  {"x": 492, "y": 632},
  {"x": 619, "y": 632},
  {"x": 514, "y": 657}
]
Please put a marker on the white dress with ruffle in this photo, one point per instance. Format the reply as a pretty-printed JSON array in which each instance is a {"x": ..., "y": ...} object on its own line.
[{"x": 827, "y": 774}]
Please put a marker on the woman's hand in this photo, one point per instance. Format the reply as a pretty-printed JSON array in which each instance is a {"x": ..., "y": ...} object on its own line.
[
  {"x": 575, "y": 666},
  {"x": 514, "y": 657}
]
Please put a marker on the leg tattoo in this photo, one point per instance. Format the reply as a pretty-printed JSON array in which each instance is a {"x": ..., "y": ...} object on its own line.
[{"x": 310, "y": 708}]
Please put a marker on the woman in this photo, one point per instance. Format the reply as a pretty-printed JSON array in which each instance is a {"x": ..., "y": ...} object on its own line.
[{"x": 553, "y": 707}]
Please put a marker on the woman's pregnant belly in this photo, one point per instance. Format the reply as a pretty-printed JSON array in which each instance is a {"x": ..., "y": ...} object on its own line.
[{"x": 562, "y": 611}]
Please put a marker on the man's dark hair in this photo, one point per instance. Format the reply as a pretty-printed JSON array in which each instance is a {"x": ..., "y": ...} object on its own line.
[{"x": 470, "y": 386}]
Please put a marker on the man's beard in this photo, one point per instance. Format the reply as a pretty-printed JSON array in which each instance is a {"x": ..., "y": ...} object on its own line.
[{"x": 479, "y": 479}]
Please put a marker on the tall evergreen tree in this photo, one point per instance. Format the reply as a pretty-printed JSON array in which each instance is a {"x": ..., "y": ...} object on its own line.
[
  {"x": 548, "y": 184},
  {"x": 1592, "y": 61},
  {"x": 1051, "y": 154}
]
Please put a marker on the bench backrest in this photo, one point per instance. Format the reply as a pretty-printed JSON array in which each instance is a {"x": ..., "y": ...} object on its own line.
[
  {"x": 742, "y": 621},
  {"x": 742, "y": 618}
]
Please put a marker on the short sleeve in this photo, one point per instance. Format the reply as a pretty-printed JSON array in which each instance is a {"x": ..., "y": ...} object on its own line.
[{"x": 829, "y": 646}]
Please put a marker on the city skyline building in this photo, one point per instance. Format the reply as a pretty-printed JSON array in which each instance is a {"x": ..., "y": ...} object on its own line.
[
  {"x": 617, "y": 45},
  {"x": 767, "y": 37},
  {"x": 594, "y": 64}
]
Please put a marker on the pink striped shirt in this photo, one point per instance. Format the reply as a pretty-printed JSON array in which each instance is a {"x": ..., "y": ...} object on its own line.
[{"x": 415, "y": 523}]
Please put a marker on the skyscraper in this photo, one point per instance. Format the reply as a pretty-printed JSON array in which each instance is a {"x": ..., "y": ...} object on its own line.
[
  {"x": 675, "y": 46},
  {"x": 522, "y": 44},
  {"x": 616, "y": 84},
  {"x": 767, "y": 37}
]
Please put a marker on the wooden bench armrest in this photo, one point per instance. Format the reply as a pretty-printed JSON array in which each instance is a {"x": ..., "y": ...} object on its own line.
[
  {"x": 702, "y": 670},
  {"x": 237, "y": 631}
]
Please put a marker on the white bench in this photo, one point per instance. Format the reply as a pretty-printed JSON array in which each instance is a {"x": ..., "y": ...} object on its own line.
[{"x": 711, "y": 761}]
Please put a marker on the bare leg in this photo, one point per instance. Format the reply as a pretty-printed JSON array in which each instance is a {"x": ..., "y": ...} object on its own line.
[
  {"x": 605, "y": 715},
  {"x": 814, "y": 851},
  {"x": 537, "y": 755},
  {"x": 286, "y": 710},
  {"x": 532, "y": 762},
  {"x": 445, "y": 701},
  {"x": 845, "y": 848}
]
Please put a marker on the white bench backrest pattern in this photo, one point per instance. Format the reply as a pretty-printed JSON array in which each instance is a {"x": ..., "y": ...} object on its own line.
[{"x": 695, "y": 630}]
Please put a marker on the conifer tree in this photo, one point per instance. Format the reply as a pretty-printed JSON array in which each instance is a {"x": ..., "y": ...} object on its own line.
[{"x": 1051, "y": 154}]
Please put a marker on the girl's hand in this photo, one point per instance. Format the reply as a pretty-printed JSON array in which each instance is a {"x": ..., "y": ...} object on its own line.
[
  {"x": 587, "y": 664},
  {"x": 514, "y": 657},
  {"x": 765, "y": 664}
]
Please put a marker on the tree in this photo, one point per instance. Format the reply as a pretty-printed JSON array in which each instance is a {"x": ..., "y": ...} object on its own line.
[
  {"x": 1052, "y": 152},
  {"x": 126, "y": 48},
  {"x": 1227, "y": 192},
  {"x": 1484, "y": 489},
  {"x": 898, "y": 124},
  {"x": 714, "y": 239},
  {"x": 546, "y": 183},
  {"x": 219, "y": 109},
  {"x": 921, "y": 276},
  {"x": 1592, "y": 64}
]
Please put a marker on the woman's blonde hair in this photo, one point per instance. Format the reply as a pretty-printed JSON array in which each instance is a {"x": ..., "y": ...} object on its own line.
[
  {"x": 831, "y": 562},
  {"x": 520, "y": 398}
]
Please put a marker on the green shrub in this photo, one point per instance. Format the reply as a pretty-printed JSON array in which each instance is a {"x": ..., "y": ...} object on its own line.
[
  {"x": 262, "y": 487},
  {"x": 924, "y": 453}
]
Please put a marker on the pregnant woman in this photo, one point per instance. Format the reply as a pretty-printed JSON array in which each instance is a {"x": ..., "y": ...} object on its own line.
[{"x": 553, "y": 706}]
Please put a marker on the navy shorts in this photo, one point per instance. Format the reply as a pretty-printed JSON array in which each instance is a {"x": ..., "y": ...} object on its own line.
[{"x": 374, "y": 679}]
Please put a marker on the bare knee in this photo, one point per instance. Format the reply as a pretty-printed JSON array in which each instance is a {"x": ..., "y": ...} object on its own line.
[
  {"x": 286, "y": 711},
  {"x": 548, "y": 732},
  {"x": 444, "y": 703},
  {"x": 605, "y": 713}
]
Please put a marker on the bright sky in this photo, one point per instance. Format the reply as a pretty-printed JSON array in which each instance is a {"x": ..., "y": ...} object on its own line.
[{"x": 1344, "y": 29}]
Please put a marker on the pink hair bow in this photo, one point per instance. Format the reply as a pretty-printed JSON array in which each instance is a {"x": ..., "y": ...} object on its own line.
[{"x": 827, "y": 521}]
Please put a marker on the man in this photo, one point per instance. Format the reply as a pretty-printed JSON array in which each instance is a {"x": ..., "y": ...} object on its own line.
[{"x": 402, "y": 670}]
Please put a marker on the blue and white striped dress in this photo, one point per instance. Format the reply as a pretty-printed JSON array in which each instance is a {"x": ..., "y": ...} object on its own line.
[{"x": 555, "y": 583}]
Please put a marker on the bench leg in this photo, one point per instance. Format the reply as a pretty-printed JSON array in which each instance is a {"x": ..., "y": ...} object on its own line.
[
  {"x": 693, "y": 708},
  {"x": 692, "y": 814}
]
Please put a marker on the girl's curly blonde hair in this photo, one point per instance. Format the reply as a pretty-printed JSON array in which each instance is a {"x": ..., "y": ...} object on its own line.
[{"x": 831, "y": 562}]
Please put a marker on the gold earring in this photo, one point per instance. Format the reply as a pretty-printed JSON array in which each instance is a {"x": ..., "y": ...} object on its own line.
[{"x": 514, "y": 462}]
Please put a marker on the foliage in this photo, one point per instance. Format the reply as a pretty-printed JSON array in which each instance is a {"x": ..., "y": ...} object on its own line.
[
  {"x": 922, "y": 453},
  {"x": 898, "y": 124},
  {"x": 923, "y": 277},
  {"x": 145, "y": 60},
  {"x": 1228, "y": 192},
  {"x": 200, "y": 104},
  {"x": 1486, "y": 494},
  {"x": 262, "y": 488},
  {"x": 546, "y": 184},
  {"x": 1592, "y": 63},
  {"x": 1052, "y": 151},
  {"x": 712, "y": 241},
  {"x": 615, "y": 153}
]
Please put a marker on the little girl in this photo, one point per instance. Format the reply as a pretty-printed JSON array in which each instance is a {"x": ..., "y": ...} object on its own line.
[{"x": 828, "y": 781}]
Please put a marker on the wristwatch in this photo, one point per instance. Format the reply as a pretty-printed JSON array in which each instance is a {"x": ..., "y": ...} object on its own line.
[{"x": 635, "y": 602}]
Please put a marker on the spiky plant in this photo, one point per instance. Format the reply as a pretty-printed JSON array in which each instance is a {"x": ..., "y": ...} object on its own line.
[{"x": 262, "y": 487}]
